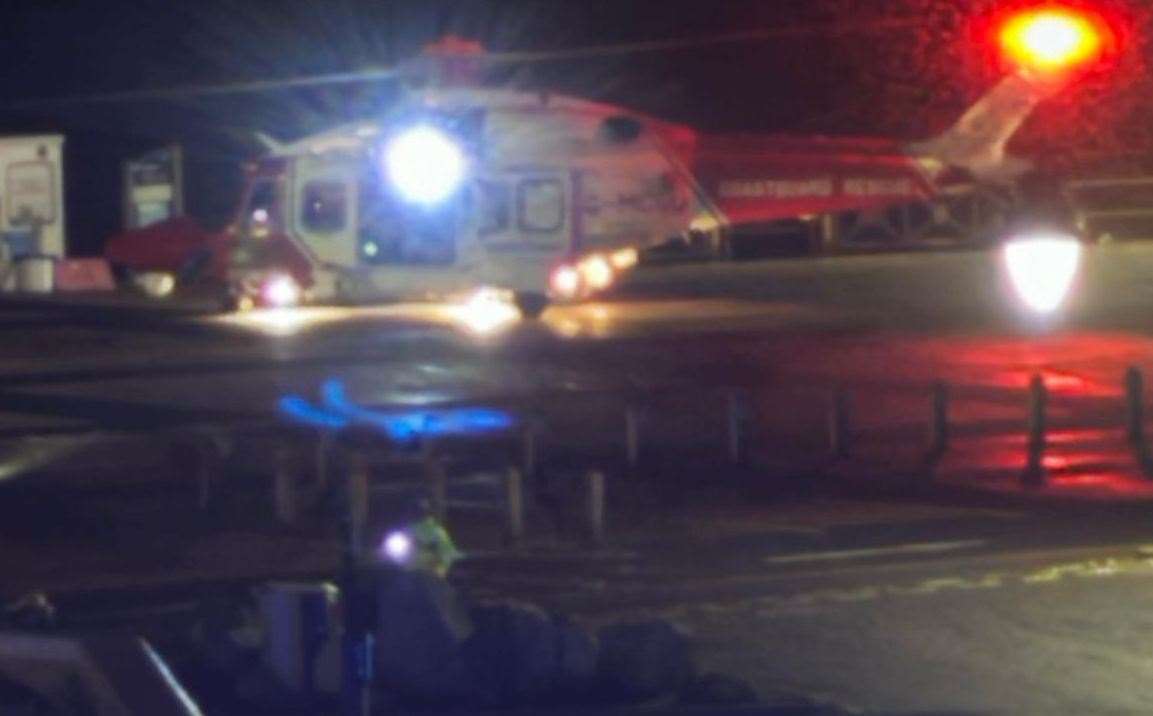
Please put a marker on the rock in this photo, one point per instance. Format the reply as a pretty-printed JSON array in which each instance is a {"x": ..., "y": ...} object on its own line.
[
  {"x": 513, "y": 655},
  {"x": 643, "y": 660},
  {"x": 32, "y": 612},
  {"x": 422, "y": 626},
  {"x": 19, "y": 700},
  {"x": 718, "y": 690},
  {"x": 258, "y": 687},
  {"x": 576, "y": 660}
]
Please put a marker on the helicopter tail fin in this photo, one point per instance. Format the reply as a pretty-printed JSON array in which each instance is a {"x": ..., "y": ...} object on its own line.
[{"x": 977, "y": 142}]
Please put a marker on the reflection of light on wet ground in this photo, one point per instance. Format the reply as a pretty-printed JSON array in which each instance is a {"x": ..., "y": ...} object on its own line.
[
  {"x": 484, "y": 317},
  {"x": 484, "y": 313},
  {"x": 285, "y": 321},
  {"x": 35, "y": 453},
  {"x": 302, "y": 319},
  {"x": 1092, "y": 463},
  {"x": 1059, "y": 437},
  {"x": 1055, "y": 380},
  {"x": 1055, "y": 462},
  {"x": 480, "y": 316},
  {"x": 602, "y": 320},
  {"x": 1085, "y": 364},
  {"x": 1091, "y": 478}
]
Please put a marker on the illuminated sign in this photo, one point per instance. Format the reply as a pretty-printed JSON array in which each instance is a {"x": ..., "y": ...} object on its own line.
[{"x": 30, "y": 194}]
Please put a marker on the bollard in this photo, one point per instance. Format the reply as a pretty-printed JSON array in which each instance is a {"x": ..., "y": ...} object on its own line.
[
  {"x": 939, "y": 421},
  {"x": 284, "y": 492},
  {"x": 206, "y": 466},
  {"x": 514, "y": 506},
  {"x": 356, "y": 638},
  {"x": 436, "y": 476},
  {"x": 529, "y": 450},
  {"x": 632, "y": 436},
  {"x": 1034, "y": 473},
  {"x": 839, "y": 431},
  {"x": 356, "y": 503},
  {"x": 203, "y": 485},
  {"x": 735, "y": 424},
  {"x": 1135, "y": 406},
  {"x": 595, "y": 504},
  {"x": 320, "y": 459},
  {"x": 197, "y": 460}
]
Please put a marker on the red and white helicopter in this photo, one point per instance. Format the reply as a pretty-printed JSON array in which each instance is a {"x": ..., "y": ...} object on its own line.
[{"x": 538, "y": 197}]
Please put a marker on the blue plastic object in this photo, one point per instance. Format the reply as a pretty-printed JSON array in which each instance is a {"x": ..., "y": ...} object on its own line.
[
  {"x": 338, "y": 411},
  {"x": 20, "y": 244}
]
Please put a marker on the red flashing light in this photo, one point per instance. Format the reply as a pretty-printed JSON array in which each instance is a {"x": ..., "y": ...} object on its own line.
[{"x": 1053, "y": 39}]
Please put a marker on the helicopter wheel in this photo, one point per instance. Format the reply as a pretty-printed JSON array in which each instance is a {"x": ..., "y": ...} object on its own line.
[{"x": 530, "y": 305}]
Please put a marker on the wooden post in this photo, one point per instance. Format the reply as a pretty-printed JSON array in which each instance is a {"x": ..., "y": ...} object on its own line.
[
  {"x": 356, "y": 642},
  {"x": 284, "y": 486},
  {"x": 529, "y": 450},
  {"x": 840, "y": 445},
  {"x": 939, "y": 421},
  {"x": 356, "y": 499},
  {"x": 514, "y": 506},
  {"x": 1135, "y": 419},
  {"x": 827, "y": 228},
  {"x": 436, "y": 477},
  {"x": 1135, "y": 406},
  {"x": 322, "y": 449},
  {"x": 595, "y": 504},
  {"x": 735, "y": 425},
  {"x": 632, "y": 436},
  {"x": 1034, "y": 473},
  {"x": 206, "y": 466}
]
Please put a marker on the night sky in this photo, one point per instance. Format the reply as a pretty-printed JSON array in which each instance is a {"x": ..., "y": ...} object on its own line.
[{"x": 899, "y": 82}]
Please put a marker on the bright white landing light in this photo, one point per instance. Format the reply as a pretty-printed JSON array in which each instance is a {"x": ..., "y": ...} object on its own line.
[
  {"x": 425, "y": 165},
  {"x": 1042, "y": 268}
]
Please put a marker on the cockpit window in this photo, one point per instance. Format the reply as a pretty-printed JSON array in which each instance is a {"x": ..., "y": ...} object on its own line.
[
  {"x": 262, "y": 214},
  {"x": 324, "y": 210}
]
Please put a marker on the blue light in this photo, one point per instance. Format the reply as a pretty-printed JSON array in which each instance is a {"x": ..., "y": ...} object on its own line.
[
  {"x": 338, "y": 411},
  {"x": 302, "y": 411}
]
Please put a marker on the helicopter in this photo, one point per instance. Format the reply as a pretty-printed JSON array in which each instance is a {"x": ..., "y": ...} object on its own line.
[{"x": 533, "y": 197}]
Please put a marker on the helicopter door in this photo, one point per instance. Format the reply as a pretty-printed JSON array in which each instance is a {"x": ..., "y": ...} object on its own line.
[
  {"x": 524, "y": 212},
  {"x": 325, "y": 200},
  {"x": 391, "y": 232}
]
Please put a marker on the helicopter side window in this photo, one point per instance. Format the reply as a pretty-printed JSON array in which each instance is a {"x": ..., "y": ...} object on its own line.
[
  {"x": 540, "y": 206},
  {"x": 495, "y": 207},
  {"x": 324, "y": 209}
]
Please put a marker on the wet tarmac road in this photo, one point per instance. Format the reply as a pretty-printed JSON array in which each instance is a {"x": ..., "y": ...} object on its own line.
[
  {"x": 878, "y": 604},
  {"x": 786, "y": 333}
]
